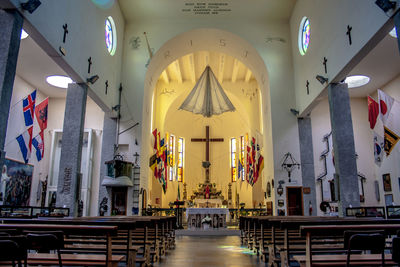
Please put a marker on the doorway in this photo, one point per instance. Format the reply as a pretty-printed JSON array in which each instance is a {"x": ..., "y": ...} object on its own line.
[
  {"x": 294, "y": 200},
  {"x": 119, "y": 200}
]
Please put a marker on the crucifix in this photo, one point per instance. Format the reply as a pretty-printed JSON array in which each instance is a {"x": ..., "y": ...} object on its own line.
[
  {"x": 349, "y": 33},
  {"x": 308, "y": 87},
  {"x": 207, "y": 140},
  {"x": 90, "y": 64},
  {"x": 65, "y": 27},
  {"x": 106, "y": 86},
  {"x": 324, "y": 62}
]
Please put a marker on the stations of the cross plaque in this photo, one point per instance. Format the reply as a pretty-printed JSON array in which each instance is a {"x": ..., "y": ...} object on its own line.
[{"x": 207, "y": 140}]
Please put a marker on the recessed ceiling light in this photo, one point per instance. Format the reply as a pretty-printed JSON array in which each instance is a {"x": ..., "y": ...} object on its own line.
[
  {"x": 357, "y": 81},
  {"x": 59, "y": 81},
  {"x": 24, "y": 34},
  {"x": 393, "y": 32}
]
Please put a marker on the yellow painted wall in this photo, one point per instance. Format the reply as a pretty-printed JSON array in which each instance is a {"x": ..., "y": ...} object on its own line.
[{"x": 246, "y": 119}]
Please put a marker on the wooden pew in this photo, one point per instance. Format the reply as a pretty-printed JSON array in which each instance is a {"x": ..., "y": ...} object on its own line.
[
  {"x": 309, "y": 231},
  {"x": 107, "y": 231}
]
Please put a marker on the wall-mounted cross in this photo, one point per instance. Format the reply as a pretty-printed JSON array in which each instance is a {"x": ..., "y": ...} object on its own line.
[
  {"x": 106, "y": 86},
  {"x": 324, "y": 62},
  {"x": 90, "y": 64},
  {"x": 65, "y": 27},
  {"x": 308, "y": 87},
  {"x": 348, "y": 33},
  {"x": 207, "y": 140}
]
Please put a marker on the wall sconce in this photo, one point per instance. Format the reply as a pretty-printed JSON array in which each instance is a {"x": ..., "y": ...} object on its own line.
[
  {"x": 31, "y": 5},
  {"x": 289, "y": 163},
  {"x": 279, "y": 189},
  {"x": 92, "y": 79},
  {"x": 321, "y": 79}
]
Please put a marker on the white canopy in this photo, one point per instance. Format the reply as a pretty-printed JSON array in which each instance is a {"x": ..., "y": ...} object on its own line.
[{"x": 207, "y": 97}]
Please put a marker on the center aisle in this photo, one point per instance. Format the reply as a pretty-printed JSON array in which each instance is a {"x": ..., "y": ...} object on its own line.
[{"x": 205, "y": 251}]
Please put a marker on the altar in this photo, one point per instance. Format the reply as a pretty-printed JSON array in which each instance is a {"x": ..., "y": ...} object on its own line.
[
  {"x": 216, "y": 218},
  {"x": 207, "y": 203}
]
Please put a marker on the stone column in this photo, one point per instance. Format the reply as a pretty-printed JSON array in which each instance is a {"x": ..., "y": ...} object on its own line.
[
  {"x": 10, "y": 37},
  {"x": 69, "y": 182},
  {"x": 107, "y": 153},
  {"x": 307, "y": 164},
  {"x": 343, "y": 146}
]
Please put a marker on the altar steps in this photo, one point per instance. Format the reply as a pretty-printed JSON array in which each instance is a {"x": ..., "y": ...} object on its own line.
[{"x": 208, "y": 232}]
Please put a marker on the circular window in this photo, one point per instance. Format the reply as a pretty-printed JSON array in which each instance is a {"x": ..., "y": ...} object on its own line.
[
  {"x": 304, "y": 35},
  {"x": 110, "y": 35}
]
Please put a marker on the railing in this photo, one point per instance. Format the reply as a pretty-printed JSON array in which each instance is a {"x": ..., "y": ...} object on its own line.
[
  {"x": 32, "y": 212},
  {"x": 234, "y": 213}
]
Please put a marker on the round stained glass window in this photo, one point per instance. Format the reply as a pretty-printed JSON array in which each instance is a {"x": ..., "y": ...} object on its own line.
[
  {"x": 110, "y": 36},
  {"x": 304, "y": 35}
]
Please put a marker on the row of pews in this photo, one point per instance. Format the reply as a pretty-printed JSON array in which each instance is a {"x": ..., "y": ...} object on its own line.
[
  {"x": 101, "y": 241},
  {"x": 320, "y": 241}
]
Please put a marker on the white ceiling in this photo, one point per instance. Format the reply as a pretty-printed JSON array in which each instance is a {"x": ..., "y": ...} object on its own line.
[
  {"x": 251, "y": 10},
  {"x": 190, "y": 67},
  {"x": 382, "y": 65},
  {"x": 34, "y": 65}
]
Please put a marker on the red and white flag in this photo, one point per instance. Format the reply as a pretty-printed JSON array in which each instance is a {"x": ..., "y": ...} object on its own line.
[{"x": 385, "y": 105}]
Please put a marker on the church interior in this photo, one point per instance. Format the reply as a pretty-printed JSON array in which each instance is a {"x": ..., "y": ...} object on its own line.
[{"x": 178, "y": 119}]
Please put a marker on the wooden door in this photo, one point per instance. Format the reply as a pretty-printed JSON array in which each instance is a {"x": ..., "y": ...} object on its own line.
[
  {"x": 294, "y": 200},
  {"x": 119, "y": 200}
]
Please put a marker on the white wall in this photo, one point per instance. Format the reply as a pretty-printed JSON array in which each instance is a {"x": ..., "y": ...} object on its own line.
[
  {"x": 328, "y": 21},
  {"x": 93, "y": 120},
  {"x": 86, "y": 24}
]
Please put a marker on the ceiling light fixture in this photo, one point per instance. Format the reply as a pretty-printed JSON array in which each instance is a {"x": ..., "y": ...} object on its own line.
[
  {"x": 357, "y": 80},
  {"x": 393, "y": 32},
  {"x": 59, "y": 81},
  {"x": 321, "y": 79},
  {"x": 24, "y": 34}
]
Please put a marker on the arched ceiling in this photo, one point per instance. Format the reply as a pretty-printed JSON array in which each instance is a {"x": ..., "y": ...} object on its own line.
[{"x": 189, "y": 68}]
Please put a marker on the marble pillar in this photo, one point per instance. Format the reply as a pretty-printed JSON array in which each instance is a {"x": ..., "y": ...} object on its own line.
[
  {"x": 10, "y": 37},
  {"x": 107, "y": 154},
  {"x": 307, "y": 165},
  {"x": 69, "y": 179},
  {"x": 343, "y": 146}
]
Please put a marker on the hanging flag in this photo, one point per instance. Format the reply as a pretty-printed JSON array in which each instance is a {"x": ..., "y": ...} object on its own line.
[
  {"x": 378, "y": 148},
  {"x": 41, "y": 114},
  {"x": 25, "y": 143},
  {"x": 373, "y": 112},
  {"x": 38, "y": 144},
  {"x": 385, "y": 105},
  {"x": 389, "y": 109},
  {"x": 391, "y": 139},
  {"x": 28, "y": 107}
]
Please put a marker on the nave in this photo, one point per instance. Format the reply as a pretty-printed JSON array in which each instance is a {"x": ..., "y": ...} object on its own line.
[{"x": 218, "y": 251}]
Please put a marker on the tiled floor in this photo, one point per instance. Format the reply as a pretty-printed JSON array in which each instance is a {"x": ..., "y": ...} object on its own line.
[{"x": 204, "y": 251}]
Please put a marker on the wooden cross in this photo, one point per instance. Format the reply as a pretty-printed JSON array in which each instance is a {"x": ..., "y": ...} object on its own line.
[
  {"x": 106, "y": 86},
  {"x": 349, "y": 33},
  {"x": 308, "y": 87},
  {"x": 90, "y": 64},
  {"x": 324, "y": 62},
  {"x": 65, "y": 27},
  {"x": 207, "y": 140}
]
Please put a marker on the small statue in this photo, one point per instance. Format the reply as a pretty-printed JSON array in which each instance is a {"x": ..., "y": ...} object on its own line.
[
  {"x": 103, "y": 206},
  {"x": 80, "y": 208}
]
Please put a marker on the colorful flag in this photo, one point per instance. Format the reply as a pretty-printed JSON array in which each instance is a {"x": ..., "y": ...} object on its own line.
[
  {"x": 391, "y": 139},
  {"x": 28, "y": 107},
  {"x": 373, "y": 112},
  {"x": 38, "y": 144},
  {"x": 385, "y": 105},
  {"x": 25, "y": 143},
  {"x": 41, "y": 114}
]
